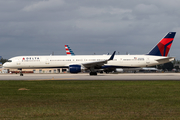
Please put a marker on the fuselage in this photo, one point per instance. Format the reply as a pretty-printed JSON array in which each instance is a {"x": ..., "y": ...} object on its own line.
[
  {"x": 119, "y": 61},
  {"x": 158, "y": 55}
]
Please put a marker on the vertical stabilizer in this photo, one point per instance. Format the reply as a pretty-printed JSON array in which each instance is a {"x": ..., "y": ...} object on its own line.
[
  {"x": 163, "y": 47},
  {"x": 68, "y": 50}
]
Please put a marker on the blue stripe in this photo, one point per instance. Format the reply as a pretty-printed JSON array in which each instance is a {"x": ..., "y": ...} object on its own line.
[
  {"x": 155, "y": 51},
  {"x": 170, "y": 35},
  {"x": 165, "y": 46},
  {"x": 72, "y": 53}
]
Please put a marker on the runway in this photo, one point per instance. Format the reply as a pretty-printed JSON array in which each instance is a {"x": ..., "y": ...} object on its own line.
[{"x": 85, "y": 76}]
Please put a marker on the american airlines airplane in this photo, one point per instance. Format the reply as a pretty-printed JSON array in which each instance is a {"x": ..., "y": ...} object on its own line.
[
  {"x": 68, "y": 50},
  {"x": 158, "y": 55}
]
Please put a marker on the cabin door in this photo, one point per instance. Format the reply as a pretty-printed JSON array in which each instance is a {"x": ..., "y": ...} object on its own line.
[
  {"x": 18, "y": 62},
  {"x": 147, "y": 61},
  {"x": 47, "y": 61}
]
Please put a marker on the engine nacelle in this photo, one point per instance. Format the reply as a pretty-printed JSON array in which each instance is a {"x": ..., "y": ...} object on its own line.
[
  {"x": 119, "y": 70},
  {"x": 74, "y": 68}
]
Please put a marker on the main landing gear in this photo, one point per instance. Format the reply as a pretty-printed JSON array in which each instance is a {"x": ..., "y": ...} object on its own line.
[
  {"x": 93, "y": 73},
  {"x": 21, "y": 74}
]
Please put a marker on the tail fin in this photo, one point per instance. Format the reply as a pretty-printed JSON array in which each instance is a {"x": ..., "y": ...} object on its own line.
[
  {"x": 68, "y": 50},
  {"x": 163, "y": 47}
]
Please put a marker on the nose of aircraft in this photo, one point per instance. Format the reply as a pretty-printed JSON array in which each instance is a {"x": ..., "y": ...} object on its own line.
[{"x": 4, "y": 65}]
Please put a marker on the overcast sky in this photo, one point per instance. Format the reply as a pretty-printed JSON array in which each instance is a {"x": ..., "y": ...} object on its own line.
[{"x": 40, "y": 27}]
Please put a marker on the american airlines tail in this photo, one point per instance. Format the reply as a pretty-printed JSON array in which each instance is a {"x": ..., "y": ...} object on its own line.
[
  {"x": 68, "y": 50},
  {"x": 163, "y": 47}
]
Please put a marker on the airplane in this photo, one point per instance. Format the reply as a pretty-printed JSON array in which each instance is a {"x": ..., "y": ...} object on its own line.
[
  {"x": 68, "y": 50},
  {"x": 156, "y": 56}
]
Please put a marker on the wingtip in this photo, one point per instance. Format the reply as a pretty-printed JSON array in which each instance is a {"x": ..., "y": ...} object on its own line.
[{"x": 112, "y": 56}]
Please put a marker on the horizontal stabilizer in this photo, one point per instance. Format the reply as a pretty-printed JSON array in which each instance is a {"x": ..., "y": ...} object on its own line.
[{"x": 168, "y": 59}]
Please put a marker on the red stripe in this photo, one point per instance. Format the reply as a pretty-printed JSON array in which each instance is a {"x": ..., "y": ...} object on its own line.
[
  {"x": 165, "y": 41},
  {"x": 161, "y": 48},
  {"x": 167, "y": 49}
]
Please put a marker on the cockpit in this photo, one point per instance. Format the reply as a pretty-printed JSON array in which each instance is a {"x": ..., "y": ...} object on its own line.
[{"x": 9, "y": 61}]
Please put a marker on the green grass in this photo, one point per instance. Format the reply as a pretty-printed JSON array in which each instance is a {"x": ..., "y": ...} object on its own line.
[{"x": 90, "y": 100}]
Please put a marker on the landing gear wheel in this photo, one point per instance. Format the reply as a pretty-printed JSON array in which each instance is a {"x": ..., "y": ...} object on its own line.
[
  {"x": 21, "y": 74},
  {"x": 93, "y": 73},
  {"x": 101, "y": 72}
]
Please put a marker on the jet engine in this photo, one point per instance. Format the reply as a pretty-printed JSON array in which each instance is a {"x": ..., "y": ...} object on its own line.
[
  {"x": 74, "y": 68},
  {"x": 119, "y": 70}
]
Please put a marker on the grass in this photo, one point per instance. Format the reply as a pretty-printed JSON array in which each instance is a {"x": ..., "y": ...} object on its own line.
[{"x": 90, "y": 100}]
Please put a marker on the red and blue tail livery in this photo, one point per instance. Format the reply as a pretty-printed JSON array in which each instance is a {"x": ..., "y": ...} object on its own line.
[
  {"x": 163, "y": 47},
  {"x": 68, "y": 50}
]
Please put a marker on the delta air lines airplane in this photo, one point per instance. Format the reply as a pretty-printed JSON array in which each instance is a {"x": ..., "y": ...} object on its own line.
[{"x": 158, "y": 55}]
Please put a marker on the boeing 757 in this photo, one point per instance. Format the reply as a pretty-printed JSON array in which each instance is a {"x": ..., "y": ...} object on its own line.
[{"x": 158, "y": 55}]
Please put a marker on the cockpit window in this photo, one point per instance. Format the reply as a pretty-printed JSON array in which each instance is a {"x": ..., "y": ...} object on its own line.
[{"x": 9, "y": 61}]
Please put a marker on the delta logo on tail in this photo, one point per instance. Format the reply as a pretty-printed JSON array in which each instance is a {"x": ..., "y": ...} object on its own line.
[
  {"x": 68, "y": 50},
  {"x": 163, "y": 47}
]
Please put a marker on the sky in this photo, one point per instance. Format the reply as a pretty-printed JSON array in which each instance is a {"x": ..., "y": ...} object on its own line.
[{"x": 43, "y": 27}]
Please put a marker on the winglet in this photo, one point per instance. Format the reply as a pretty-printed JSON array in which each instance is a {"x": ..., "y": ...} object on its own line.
[{"x": 112, "y": 56}]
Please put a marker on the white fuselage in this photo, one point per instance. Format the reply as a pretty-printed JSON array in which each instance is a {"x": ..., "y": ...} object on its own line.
[{"x": 32, "y": 62}]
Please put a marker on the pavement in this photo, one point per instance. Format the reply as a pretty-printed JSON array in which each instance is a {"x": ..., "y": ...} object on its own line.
[{"x": 86, "y": 76}]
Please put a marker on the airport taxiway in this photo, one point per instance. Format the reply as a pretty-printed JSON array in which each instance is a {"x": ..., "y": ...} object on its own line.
[{"x": 85, "y": 76}]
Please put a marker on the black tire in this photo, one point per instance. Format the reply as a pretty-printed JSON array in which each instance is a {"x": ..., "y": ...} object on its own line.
[{"x": 93, "y": 73}]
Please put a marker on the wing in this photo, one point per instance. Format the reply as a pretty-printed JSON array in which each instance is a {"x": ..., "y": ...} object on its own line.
[{"x": 98, "y": 64}]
